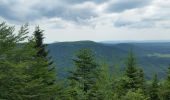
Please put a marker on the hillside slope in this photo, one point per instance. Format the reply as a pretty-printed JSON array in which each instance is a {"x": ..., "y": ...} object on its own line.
[{"x": 152, "y": 57}]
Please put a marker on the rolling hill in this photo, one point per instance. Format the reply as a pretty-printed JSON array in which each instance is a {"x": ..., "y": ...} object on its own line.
[{"x": 152, "y": 57}]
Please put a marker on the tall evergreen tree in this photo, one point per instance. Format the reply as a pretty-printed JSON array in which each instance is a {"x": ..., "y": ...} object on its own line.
[
  {"x": 134, "y": 95},
  {"x": 11, "y": 67},
  {"x": 140, "y": 79},
  {"x": 41, "y": 71},
  {"x": 154, "y": 89},
  {"x": 103, "y": 87},
  {"x": 165, "y": 88},
  {"x": 84, "y": 78},
  {"x": 168, "y": 74},
  {"x": 40, "y": 46},
  {"x": 131, "y": 71},
  {"x": 135, "y": 76}
]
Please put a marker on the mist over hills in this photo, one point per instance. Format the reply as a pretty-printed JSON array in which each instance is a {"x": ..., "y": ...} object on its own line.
[{"x": 153, "y": 57}]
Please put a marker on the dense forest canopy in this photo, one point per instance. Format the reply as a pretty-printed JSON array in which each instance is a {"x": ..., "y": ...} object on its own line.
[{"x": 27, "y": 72}]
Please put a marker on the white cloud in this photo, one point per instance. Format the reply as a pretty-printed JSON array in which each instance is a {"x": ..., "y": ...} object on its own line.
[{"x": 91, "y": 19}]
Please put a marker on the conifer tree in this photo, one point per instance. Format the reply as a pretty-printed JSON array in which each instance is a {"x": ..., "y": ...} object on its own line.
[
  {"x": 168, "y": 74},
  {"x": 41, "y": 71},
  {"x": 131, "y": 71},
  {"x": 154, "y": 90},
  {"x": 103, "y": 87},
  {"x": 134, "y": 95},
  {"x": 84, "y": 78},
  {"x": 165, "y": 88},
  {"x": 40, "y": 46},
  {"x": 140, "y": 79},
  {"x": 11, "y": 67}
]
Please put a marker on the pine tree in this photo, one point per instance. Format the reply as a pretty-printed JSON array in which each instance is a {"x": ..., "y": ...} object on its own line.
[
  {"x": 135, "y": 95},
  {"x": 140, "y": 79},
  {"x": 84, "y": 78},
  {"x": 131, "y": 71},
  {"x": 154, "y": 90},
  {"x": 168, "y": 74},
  {"x": 11, "y": 67},
  {"x": 42, "y": 73},
  {"x": 103, "y": 87},
  {"x": 7, "y": 38},
  {"x": 165, "y": 88},
  {"x": 41, "y": 48}
]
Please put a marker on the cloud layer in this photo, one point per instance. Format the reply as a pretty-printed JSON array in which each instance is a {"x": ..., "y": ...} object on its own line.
[
  {"x": 122, "y": 13},
  {"x": 62, "y": 14}
]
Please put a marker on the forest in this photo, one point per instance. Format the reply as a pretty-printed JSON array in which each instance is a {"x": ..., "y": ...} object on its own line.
[{"x": 28, "y": 72}]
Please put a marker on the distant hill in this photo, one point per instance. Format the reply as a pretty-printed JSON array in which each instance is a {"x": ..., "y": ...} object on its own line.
[{"x": 152, "y": 57}]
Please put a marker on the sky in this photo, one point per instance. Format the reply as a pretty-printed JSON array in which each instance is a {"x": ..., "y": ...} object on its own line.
[{"x": 96, "y": 20}]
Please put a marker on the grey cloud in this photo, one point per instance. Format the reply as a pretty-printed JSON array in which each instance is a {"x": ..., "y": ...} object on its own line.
[
  {"x": 62, "y": 10},
  {"x": 67, "y": 13},
  {"x": 123, "y": 5},
  {"x": 135, "y": 24},
  {"x": 6, "y": 12},
  {"x": 120, "y": 23},
  {"x": 82, "y": 1}
]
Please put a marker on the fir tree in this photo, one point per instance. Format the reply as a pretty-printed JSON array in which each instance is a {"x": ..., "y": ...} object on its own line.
[
  {"x": 84, "y": 78},
  {"x": 131, "y": 71},
  {"x": 40, "y": 46},
  {"x": 140, "y": 79},
  {"x": 154, "y": 90},
  {"x": 135, "y": 76},
  {"x": 165, "y": 88},
  {"x": 103, "y": 87},
  {"x": 134, "y": 95},
  {"x": 168, "y": 74},
  {"x": 42, "y": 73},
  {"x": 12, "y": 76}
]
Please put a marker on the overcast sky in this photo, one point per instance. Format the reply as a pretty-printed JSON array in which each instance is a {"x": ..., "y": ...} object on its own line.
[{"x": 97, "y": 20}]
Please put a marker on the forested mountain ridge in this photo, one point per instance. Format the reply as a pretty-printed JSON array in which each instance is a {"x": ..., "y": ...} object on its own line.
[
  {"x": 88, "y": 70},
  {"x": 152, "y": 57}
]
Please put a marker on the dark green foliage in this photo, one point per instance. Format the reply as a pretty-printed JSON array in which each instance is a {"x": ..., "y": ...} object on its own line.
[
  {"x": 114, "y": 54},
  {"x": 140, "y": 79},
  {"x": 165, "y": 88},
  {"x": 103, "y": 87},
  {"x": 23, "y": 74},
  {"x": 12, "y": 78},
  {"x": 84, "y": 78},
  {"x": 28, "y": 73},
  {"x": 154, "y": 89},
  {"x": 38, "y": 36},
  {"x": 7, "y": 38},
  {"x": 41, "y": 48},
  {"x": 41, "y": 70},
  {"x": 135, "y": 95},
  {"x": 134, "y": 75},
  {"x": 168, "y": 74}
]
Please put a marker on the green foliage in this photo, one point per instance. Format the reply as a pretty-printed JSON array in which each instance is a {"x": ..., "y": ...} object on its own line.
[
  {"x": 135, "y": 75},
  {"x": 42, "y": 75},
  {"x": 85, "y": 76},
  {"x": 114, "y": 54},
  {"x": 23, "y": 74},
  {"x": 154, "y": 89},
  {"x": 135, "y": 95},
  {"x": 119, "y": 86},
  {"x": 168, "y": 74},
  {"x": 28, "y": 73},
  {"x": 103, "y": 87},
  {"x": 165, "y": 88},
  {"x": 12, "y": 77}
]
